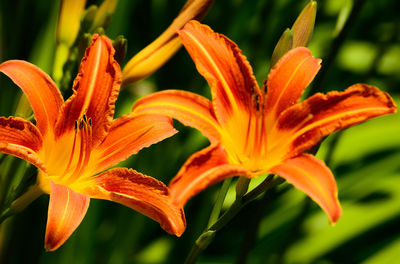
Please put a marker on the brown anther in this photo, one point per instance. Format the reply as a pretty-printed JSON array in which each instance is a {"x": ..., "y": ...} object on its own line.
[{"x": 81, "y": 124}]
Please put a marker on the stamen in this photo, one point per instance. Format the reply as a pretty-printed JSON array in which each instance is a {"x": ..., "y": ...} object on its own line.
[
  {"x": 263, "y": 137},
  {"x": 88, "y": 139},
  {"x": 75, "y": 173},
  {"x": 246, "y": 143},
  {"x": 85, "y": 149},
  {"x": 71, "y": 156},
  {"x": 257, "y": 139}
]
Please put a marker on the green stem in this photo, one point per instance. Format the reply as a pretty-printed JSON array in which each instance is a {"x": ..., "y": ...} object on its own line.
[
  {"x": 208, "y": 235},
  {"x": 253, "y": 227},
  {"x": 24, "y": 200},
  {"x": 21, "y": 202},
  {"x": 267, "y": 184},
  {"x": 219, "y": 202},
  {"x": 242, "y": 186}
]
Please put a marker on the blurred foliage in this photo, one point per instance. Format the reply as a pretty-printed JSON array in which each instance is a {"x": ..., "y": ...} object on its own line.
[{"x": 283, "y": 227}]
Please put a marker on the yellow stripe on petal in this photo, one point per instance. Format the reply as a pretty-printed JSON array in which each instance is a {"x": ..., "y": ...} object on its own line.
[
  {"x": 287, "y": 81},
  {"x": 128, "y": 135},
  {"x": 313, "y": 177},
  {"x": 141, "y": 193},
  {"x": 203, "y": 169},
  {"x": 227, "y": 71},
  {"x": 42, "y": 93},
  {"x": 66, "y": 211},
  {"x": 188, "y": 108},
  {"x": 22, "y": 139},
  {"x": 305, "y": 124},
  {"x": 96, "y": 89}
]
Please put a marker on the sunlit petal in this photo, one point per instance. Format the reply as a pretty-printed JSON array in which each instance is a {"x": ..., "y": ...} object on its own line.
[
  {"x": 203, "y": 169},
  {"x": 95, "y": 90},
  {"x": 313, "y": 177},
  {"x": 287, "y": 81},
  {"x": 189, "y": 108},
  {"x": 141, "y": 193},
  {"x": 22, "y": 139},
  {"x": 128, "y": 135},
  {"x": 305, "y": 124},
  {"x": 41, "y": 91},
  {"x": 227, "y": 71},
  {"x": 66, "y": 211}
]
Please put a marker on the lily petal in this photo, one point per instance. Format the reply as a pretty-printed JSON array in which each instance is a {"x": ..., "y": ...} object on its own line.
[
  {"x": 287, "y": 81},
  {"x": 128, "y": 135},
  {"x": 66, "y": 211},
  {"x": 313, "y": 177},
  {"x": 320, "y": 115},
  {"x": 188, "y": 108},
  {"x": 22, "y": 139},
  {"x": 203, "y": 169},
  {"x": 42, "y": 93},
  {"x": 95, "y": 90},
  {"x": 141, "y": 193},
  {"x": 227, "y": 71}
]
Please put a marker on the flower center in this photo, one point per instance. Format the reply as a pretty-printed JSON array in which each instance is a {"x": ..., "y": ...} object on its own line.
[
  {"x": 67, "y": 157},
  {"x": 245, "y": 141},
  {"x": 81, "y": 148}
]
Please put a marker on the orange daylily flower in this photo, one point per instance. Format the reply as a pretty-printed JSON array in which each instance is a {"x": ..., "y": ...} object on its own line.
[
  {"x": 75, "y": 141},
  {"x": 254, "y": 131}
]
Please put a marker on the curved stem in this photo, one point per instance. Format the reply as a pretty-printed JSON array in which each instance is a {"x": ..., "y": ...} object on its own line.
[
  {"x": 219, "y": 202},
  {"x": 208, "y": 235},
  {"x": 251, "y": 232},
  {"x": 267, "y": 184},
  {"x": 242, "y": 186},
  {"x": 24, "y": 200},
  {"x": 21, "y": 202}
]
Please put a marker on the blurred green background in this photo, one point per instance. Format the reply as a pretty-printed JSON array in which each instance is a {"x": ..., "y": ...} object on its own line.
[{"x": 358, "y": 40}]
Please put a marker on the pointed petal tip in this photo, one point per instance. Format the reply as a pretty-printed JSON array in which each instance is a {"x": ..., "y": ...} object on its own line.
[
  {"x": 96, "y": 88},
  {"x": 177, "y": 228},
  {"x": 66, "y": 211},
  {"x": 314, "y": 178},
  {"x": 369, "y": 90},
  {"x": 142, "y": 193},
  {"x": 335, "y": 214},
  {"x": 288, "y": 79},
  {"x": 221, "y": 62},
  {"x": 202, "y": 169},
  {"x": 41, "y": 91}
]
